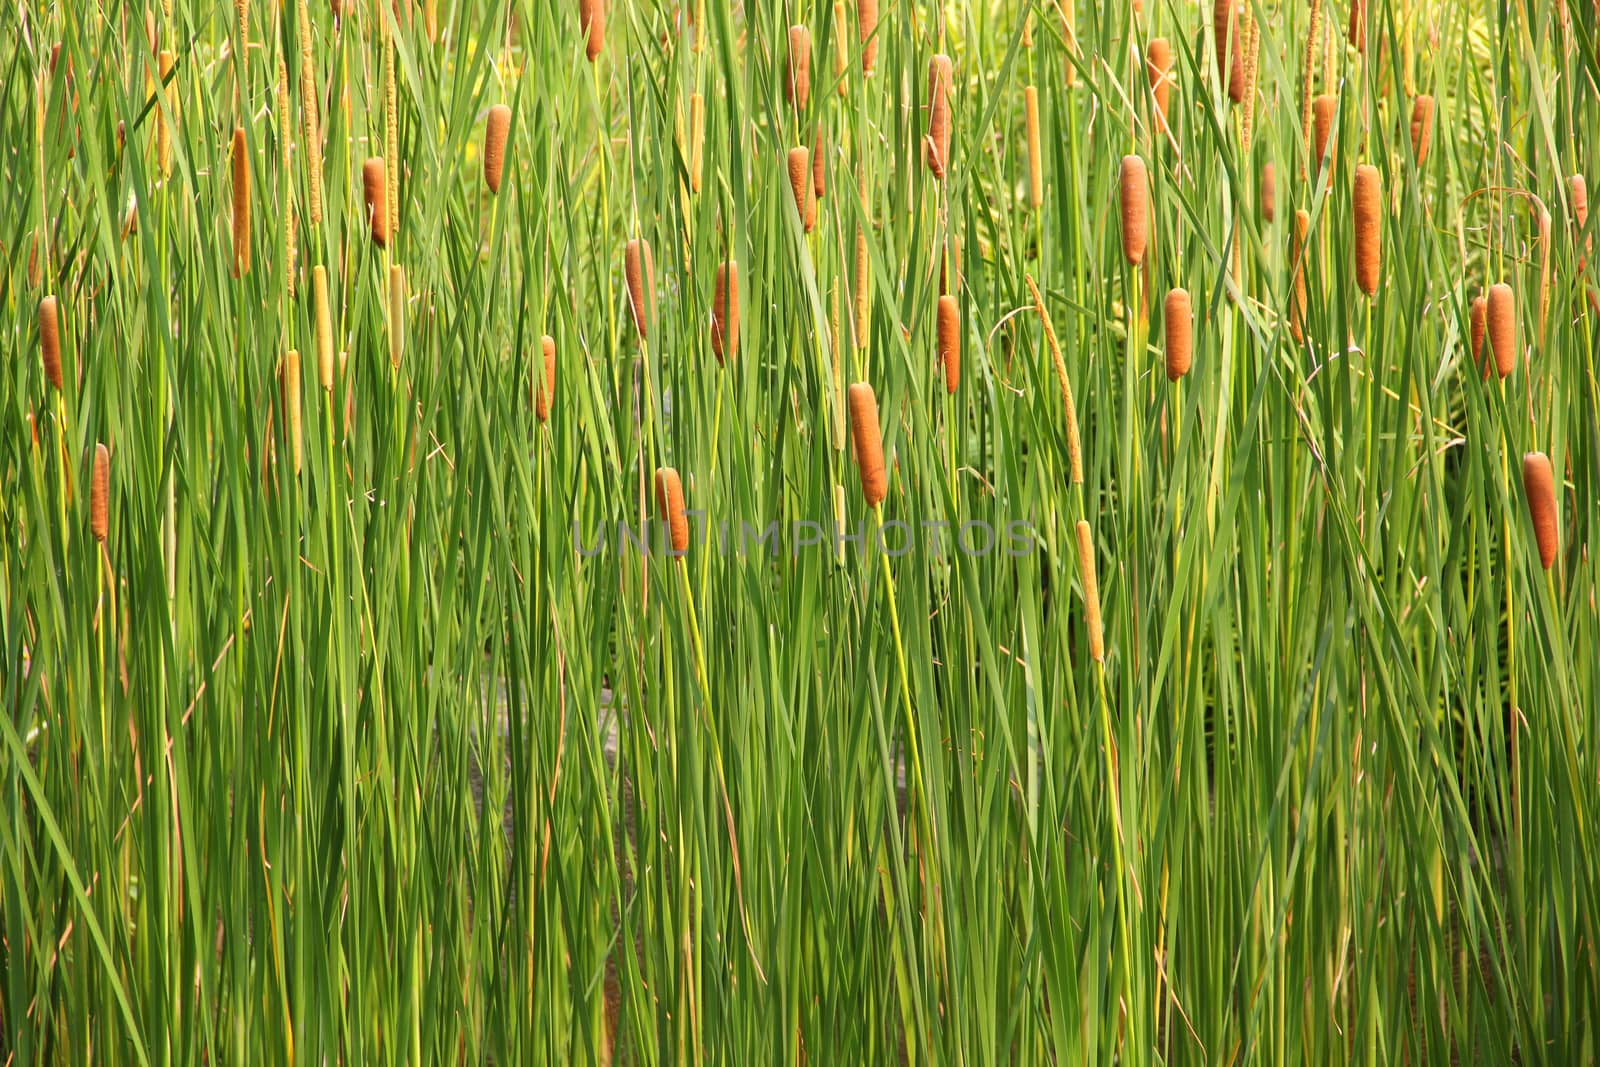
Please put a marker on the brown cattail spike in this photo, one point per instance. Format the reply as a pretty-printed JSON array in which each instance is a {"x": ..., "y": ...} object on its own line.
[
  {"x": 697, "y": 140},
  {"x": 374, "y": 196},
  {"x": 1421, "y": 127},
  {"x": 640, "y": 268},
  {"x": 867, "y": 19},
  {"x": 819, "y": 165},
  {"x": 841, "y": 56},
  {"x": 290, "y": 391},
  {"x": 1178, "y": 322},
  {"x": 50, "y": 340},
  {"x": 869, "y": 445},
  {"x": 1578, "y": 189},
  {"x": 800, "y": 186},
  {"x": 1503, "y": 328},
  {"x": 1091, "y": 592},
  {"x": 940, "y": 73},
  {"x": 1269, "y": 191},
  {"x": 1158, "y": 67},
  {"x": 1135, "y": 189},
  {"x": 1323, "y": 110},
  {"x": 1030, "y": 103},
  {"x": 1358, "y": 25},
  {"x": 669, "y": 501},
  {"x": 100, "y": 494},
  {"x": 324, "y": 323},
  {"x": 592, "y": 21},
  {"x": 1538, "y": 481},
  {"x": 1298, "y": 302},
  {"x": 494, "y": 145},
  {"x": 1479, "y": 325},
  {"x": 241, "y": 204},
  {"x": 1367, "y": 203},
  {"x": 544, "y": 384},
  {"x": 950, "y": 342},
  {"x": 797, "y": 81},
  {"x": 725, "y": 312}
]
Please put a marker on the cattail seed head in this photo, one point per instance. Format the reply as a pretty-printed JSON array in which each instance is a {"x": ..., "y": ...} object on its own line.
[
  {"x": 725, "y": 312},
  {"x": 697, "y": 140},
  {"x": 639, "y": 266},
  {"x": 1298, "y": 302},
  {"x": 863, "y": 291},
  {"x": 1503, "y": 328},
  {"x": 50, "y": 340},
  {"x": 841, "y": 57},
  {"x": 868, "y": 443},
  {"x": 1578, "y": 189},
  {"x": 1069, "y": 37},
  {"x": 324, "y": 323},
  {"x": 797, "y": 82},
  {"x": 800, "y": 186},
  {"x": 1091, "y": 592},
  {"x": 374, "y": 196},
  {"x": 495, "y": 132},
  {"x": 100, "y": 494},
  {"x": 592, "y": 21},
  {"x": 1269, "y": 191},
  {"x": 1358, "y": 25},
  {"x": 1367, "y": 202},
  {"x": 1178, "y": 322},
  {"x": 241, "y": 204},
  {"x": 1421, "y": 127},
  {"x": 867, "y": 18},
  {"x": 950, "y": 342},
  {"x": 164, "y": 64},
  {"x": 669, "y": 501},
  {"x": 1538, "y": 481},
  {"x": 544, "y": 378},
  {"x": 1030, "y": 102},
  {"x": 1158, "y": 67},
  {"x": 1478, "y": 323},
  {"x": 1134, "y": 183},
  {"x": 940, "y": 73},
  {"x": 819, "y": 165},
  {"x": 1323, "y": 111},
  {"x": 289, "y": 390}
]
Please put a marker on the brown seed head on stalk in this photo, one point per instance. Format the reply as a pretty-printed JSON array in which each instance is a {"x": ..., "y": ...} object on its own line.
[
  {"x": 797, "y": 80},
  {"x": 940, "y": 73},
  {"x": 592, "y": 21},
  {"x": 1538, "y": 481},
  {"x": 324, "y": 324},
  {"x": 697, "y": 139},
  {"x": 100, "y": 494},
  {"x": 1178, "y": 323},
  {"x": 544, "y": 384},
  {"x": 1158, "y": 68},
  {"x": 1358, "y": 25},
  {"x": 1421, "y": 127},
  {"x": 495, "y": 131},
  {"x": 373, "y": 194},
  {"x": 1323, "y": 111},
  {"x": 1135, "y": 197},
  {"x": 241, "y": 204},
  {"x": 1269, "y": 191},
  {"x": 1030, "y": 103},
  {"x": 950, "y": 342},
  {"x": 1579, "y": 191},
  {"x": 639, "y": 267},
  {"x": 289, "y": 390},
  {"x": 1069, "y": 36},
  {"x": 1367, "y": 204},
  {"x": 1297, "y": 255},
  {"x": 164, "y": 64},
  {"x": 800, "y": 186},
  {"x": 1502, "y": 316},
  {"x": 725, "y": 312},
  {"x": 50, "y": 340},
  {"x": 669, "y": 501},
  {"x": 1091, "y": 592},
  {"x": 868, "y": 443},
  {"x": 867, "y": 18},
  {"x": 1478, "y": 325},
  {"x": 819, "y": 165},
  {"x": 836, "y": 39}
]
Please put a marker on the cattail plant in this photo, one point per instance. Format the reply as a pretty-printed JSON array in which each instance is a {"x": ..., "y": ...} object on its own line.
[
  {"x": 819, "y": 165},
  {"x": 868, "y": 444},
  {"x": 697, "y": 139},
  {"x": 1030, "y": 105},
  {"x": 1367, "y": 206},
  {"x": 397, "y": 314},
  {"x": 50, "y": 340},
  {"x": 324, "y": 324},
  {"x": 639, "y": 269},
  {"x": 940, "y": 72},
  {"x": 1074, "y": 446},
  {"x": 592, "y": 21},
  {"x": 1578, "y": 189},
  {"x": 1135, "y": 198},
  {"x": 1158, "y": 68},
  {"x": 863, "y": 290},
  {"x": 1091, "y": 592},
  {"x": 797, "y": 81},
  {"x": 241, "y": 204},
  {"x": 1421, "y": 127},
  {"x": 1478, "y": 324},
  {"x": 725, "y": 312},
  {"x": 1358, "y": 25},
  {"x": 1069, "y": 37},
  {"x": 1502, "y": 316},
  {"x": 1538, "y": 481},
  {"x": 945, "y": 264},
  {"x": 1546, "y": 244},
  {"x": 1178, "y": 323},
  {"x": 1323, "y": 111},
  {"x": 949, "y": 315},
  {"x": 1269, "y": 191},
  {"x": 495, "y": 131},
  {"x": 669, "y": 501},
  {"x": 867, "y": 23},
  {"x": 1298, "y": 302},
  {"x": 289, "y": 393},
  {"x": 376, "y": 199},
  {"x": 800, "y": 186},
  {"x": 544, "y": 379},
  {"x": 310, "y": 130},
  {"x": 164, "y": 64},
  {"x": 1230, "y": 56},
  {"x": 100, "y": 494},
  {"x": 841, "y": 58}
]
